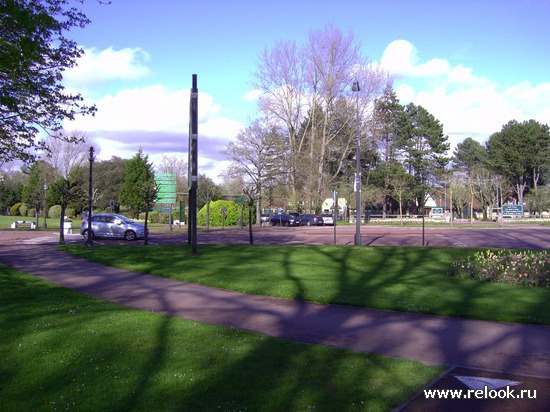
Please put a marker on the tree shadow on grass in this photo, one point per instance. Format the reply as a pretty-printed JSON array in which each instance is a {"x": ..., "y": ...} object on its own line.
[{"x": 383, "y": 332}]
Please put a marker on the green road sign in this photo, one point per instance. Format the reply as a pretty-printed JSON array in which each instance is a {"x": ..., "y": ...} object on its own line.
[{"x": 166, "y": 183}]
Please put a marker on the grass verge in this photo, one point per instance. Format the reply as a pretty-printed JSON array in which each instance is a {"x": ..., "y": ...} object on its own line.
[
  {"x": 391, "y": 278},
  {"x": 62, "y": 350}
]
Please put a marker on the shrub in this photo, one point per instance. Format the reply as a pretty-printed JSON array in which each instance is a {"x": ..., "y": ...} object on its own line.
[
  {"x": 23, "y": 209},
  {"x": 233, "y": 214},
  {"x": 155, "y": 216},
  {"x": 522, "y": 268},
  {"x": 55, "y": 212},
  {"x": 14, "y": 210},
  {"x": 31, "y": 212}
]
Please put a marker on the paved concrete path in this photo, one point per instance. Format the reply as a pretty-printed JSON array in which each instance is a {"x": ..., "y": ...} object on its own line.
[{"x": 510, "y": 348}]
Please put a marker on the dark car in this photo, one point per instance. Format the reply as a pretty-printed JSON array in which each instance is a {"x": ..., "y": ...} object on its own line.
[
  {"x": 113, "y": 226},
  {"x": 311, "y": 220},
  {"x": 284, "y": 220}
]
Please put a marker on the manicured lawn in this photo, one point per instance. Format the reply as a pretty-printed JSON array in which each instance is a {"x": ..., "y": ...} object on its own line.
[
  {"x": 391, "y": 278},
  {"x": 62, "y": 350},
  {"x": 6, "y": 221}
]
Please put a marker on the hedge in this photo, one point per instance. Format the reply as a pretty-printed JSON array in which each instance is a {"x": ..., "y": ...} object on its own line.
[
  {"x": 233, "y": 214},
  {"x": 14, "y": 210}
]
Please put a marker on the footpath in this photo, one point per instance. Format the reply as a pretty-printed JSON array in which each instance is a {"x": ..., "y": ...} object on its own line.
[{"x": 477, "y": 351}]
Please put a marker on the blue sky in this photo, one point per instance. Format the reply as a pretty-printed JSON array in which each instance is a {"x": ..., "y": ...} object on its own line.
[{"x": 475, "y": 65}]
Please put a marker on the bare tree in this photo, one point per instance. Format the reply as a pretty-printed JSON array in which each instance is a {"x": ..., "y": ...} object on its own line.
[
  {"x": 257, "y": 156},
  {"x": 307, "y": 91},
  {"x": 67, "y": 150},
  {"x": 459, "y": 193}
]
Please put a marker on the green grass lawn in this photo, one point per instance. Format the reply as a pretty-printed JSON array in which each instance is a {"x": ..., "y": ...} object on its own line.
[
  {"x": 391, "y": 278},
  {"x": 6, "y": 221},
  {"x": 62, "y": 350}
]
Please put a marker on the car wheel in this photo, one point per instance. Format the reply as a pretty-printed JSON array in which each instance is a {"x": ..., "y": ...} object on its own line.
[
  {"x": 130, "y": 235},
  {"x": 85, "y": 234}
]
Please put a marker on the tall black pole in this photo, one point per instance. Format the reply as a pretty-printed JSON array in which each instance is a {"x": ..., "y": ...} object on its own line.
[
  {"x": 358, "y": 212},
  {"x": 90, "y": 237},
  {"x": 193, "y": 165}
]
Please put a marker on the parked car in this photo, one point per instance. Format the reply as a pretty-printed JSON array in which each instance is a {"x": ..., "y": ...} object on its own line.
[
  {"x": 309, "y": 220},
  {"x": 112, "y": 225},
  {"x": 283, "y": 219},
  {"x": 264, "y": 218},
  {"x": 328, "y": 219}
]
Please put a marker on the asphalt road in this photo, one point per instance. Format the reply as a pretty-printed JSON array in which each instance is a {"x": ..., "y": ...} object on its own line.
[{"x": 512, "y": 236}]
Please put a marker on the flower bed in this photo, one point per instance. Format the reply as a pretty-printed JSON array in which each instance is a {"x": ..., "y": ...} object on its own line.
[{"x": 522, "y": 268}]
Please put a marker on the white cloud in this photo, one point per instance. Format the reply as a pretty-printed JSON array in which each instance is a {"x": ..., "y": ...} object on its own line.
[
  {"x": 98, "y": 66},
  {"x": 400, "y": 58},
  {"x": 148, "y": 108},
  {"x": 252, "y": 95},
  {"x": 156, "y": 119},
  {"x": 466, "y": 104},
  {"x": 404, "y": 92},
  {"x": 152, "y": 117},
  {"x": 155, "y": 108}
]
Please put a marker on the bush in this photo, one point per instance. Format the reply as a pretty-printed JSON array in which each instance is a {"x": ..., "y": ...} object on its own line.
[
  {"x": 233, "y": 214},
  {"x": 14, "y": 210},
  {"x": 31, "y": 212},
  {"x": 155, "y": 216},
  {"x": 522, "y": 268},
  {"x": 55, "y": 212},
  {"x": 23, "y": 210}
]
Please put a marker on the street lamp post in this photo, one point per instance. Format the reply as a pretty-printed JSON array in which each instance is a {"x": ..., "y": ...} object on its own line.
[
  {"x": 89, "y": 238},
  {"x": 357, "y": 89},
  {"x": 45, "y": 188}
]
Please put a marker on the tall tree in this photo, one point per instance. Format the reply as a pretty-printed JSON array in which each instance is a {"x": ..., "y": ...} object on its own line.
[
  {"x": 521, "y": 153},
  {"x": 385, "y": 127},
  {"x": 207, "y": 191},
  {"x": 109, "y": 176},
  {"x": 469, "y": 154},
  {"x": 63, "y": 191},
  {"x": 11, "y": 189},
  {"x": 34, "y": 53},
  {"x": 423, "y": 147},
  {"x": 482, "y": 181},
  {"x": 66, "y": 151},
  {"x": 34, "y": 194},
  {"x": 137, "y": 192},
  {"x": 307, "y": 90},
  {"x": 398, "y": 184},
  {"x": 256, "y": 154}
]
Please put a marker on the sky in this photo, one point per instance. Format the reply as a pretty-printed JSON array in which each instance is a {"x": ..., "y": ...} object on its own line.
[{"x": 473, "y": 64}]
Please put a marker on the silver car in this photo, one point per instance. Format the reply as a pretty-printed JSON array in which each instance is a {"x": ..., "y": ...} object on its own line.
[{"x": 113, "y": 226}]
